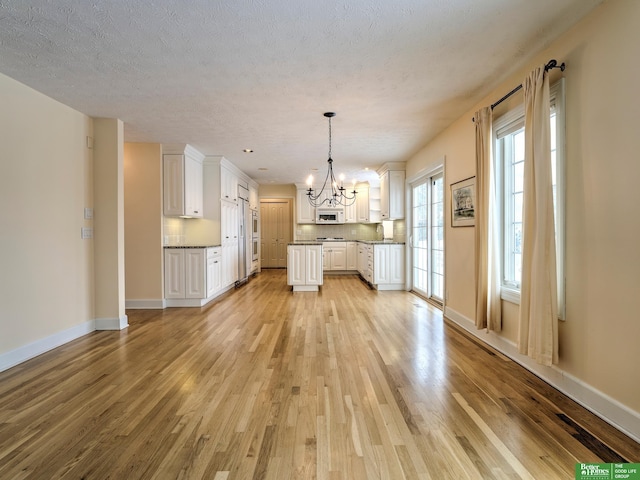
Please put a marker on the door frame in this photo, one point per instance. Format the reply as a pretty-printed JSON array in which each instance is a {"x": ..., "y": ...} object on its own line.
[{"x": 439, "y": 166}]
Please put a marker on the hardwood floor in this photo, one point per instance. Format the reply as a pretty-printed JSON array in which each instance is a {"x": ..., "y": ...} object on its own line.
[{"x": 348, "y": 383}]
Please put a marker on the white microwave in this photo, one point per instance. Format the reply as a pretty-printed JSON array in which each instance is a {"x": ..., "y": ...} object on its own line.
[{"x": 325, "y": 216}]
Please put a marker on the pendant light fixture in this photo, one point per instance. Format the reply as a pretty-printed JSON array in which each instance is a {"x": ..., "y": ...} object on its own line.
[{"x": 331, "y": 194}]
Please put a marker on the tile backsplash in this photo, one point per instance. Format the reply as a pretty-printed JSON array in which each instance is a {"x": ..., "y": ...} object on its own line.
[{"x": 349, "y": 231}]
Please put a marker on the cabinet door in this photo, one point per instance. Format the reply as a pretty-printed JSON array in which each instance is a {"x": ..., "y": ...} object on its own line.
[
  {"x": 351, "y": 212},
  {"x": 313, "y": 270},
  {"x": 384, "y": 196},
  {"x": 193, "y": 184},
  {"x": 362, "y": 259},
  {"x": 228, "y": 185},
  {"x": 213, "y": 271},
  {"x": 195, "y": 274},
  {"x": 339, "y": 258},
  {"x": 362, "y": 205},
  {"x": 381, "y": 264},
  {"x": 326, "y": 258},
  {"x": 396, "y": 264},
  {"x": 173, "y": 185},
  {"x": 174, "y": 273},
  {"x": 352, "y": 256},
  {"x": 396, "y": 194},
  {"x": 305, "y": 213},
  {"x": 296, "y": 265}
]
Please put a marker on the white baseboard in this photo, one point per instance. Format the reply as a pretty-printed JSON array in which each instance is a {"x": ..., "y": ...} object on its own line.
[
  {"x": 145, "y": 304},
  {"x": 33, "y": 349},
  {"x": 112, "y": 323},
  {"x": 610, "y": 410}
]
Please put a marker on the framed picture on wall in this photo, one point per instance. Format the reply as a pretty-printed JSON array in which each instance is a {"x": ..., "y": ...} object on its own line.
[{"x": 463, "y": 203}]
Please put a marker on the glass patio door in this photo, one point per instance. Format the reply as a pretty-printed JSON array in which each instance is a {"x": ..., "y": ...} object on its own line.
[{"x": 427, "y": 237}]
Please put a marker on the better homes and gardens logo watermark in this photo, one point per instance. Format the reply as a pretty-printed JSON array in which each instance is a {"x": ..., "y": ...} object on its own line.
[{"x": 606, "y": 471}]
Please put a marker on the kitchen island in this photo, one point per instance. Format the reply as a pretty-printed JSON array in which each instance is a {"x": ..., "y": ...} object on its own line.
[
  {"x": 304, "y": 266},
  {"x": 380, "y": 263}
]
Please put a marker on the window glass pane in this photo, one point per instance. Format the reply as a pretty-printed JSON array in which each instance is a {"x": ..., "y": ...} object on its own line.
[
  {"x": 517, "y": 207},
  {"x": 519, "y": 146},
  {"x": 518, "y": 177}
]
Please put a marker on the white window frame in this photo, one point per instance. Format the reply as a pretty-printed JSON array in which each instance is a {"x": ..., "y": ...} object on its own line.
[{"x": 509, "y": 123}]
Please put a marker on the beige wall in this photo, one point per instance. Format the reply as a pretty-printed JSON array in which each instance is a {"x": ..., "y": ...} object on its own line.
[
  {"x": 108, "y": 184},
  {"x": 599, "y": 340},
  {"x": 46, "y": 181},
  {"x": 143, "y": 221},
  {"x": 277, "y": 191}
]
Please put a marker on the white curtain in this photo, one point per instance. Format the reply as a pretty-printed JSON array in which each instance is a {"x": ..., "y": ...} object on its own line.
[
  {"x": 488, "y": 306},
  {"x": 538, "y": 326}
]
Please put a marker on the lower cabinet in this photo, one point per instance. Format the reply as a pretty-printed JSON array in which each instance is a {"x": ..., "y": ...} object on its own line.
[
  {"x": 334, "y": 256},
  {"x": 388, "y": 267},
  {"x": 191, "y": 275},
  {"x": 304, "y": 267}
]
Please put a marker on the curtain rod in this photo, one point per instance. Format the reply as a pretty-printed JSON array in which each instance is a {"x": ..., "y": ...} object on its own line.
[{"x": 551, "y": 64}]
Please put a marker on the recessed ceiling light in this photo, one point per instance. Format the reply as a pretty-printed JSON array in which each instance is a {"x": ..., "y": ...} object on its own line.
[{"x": 248, "y": 150}]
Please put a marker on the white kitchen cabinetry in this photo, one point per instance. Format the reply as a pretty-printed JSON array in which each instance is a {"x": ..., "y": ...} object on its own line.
[
  {"x": 334, "y": 256},
  {"x": 229, "y": 240},
  {"x": 305, "y": 212},
  {"x": 304, "y": 267},
  {"x": 362, "y": 203},
  {"x": 214, "y": 270},
  {"x": 182, "y": 183},
  {"x": 228, "y": 184},
  {"x": 388, "y": 267},
  {"x": 351, "y": 212},
  {"x": 191, "y": 276},
  {"x": 365, "y": 262},
  {"x": 254, "y": 200},
  {"x": 392, "y": 192},
  {"x": 367, "y": 204},
  {"x": 174, "y": 273},
  {"x": 352, "y": 256}
]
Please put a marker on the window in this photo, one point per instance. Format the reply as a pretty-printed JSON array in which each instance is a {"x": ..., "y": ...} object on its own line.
[{"x": 509, "y": 158}]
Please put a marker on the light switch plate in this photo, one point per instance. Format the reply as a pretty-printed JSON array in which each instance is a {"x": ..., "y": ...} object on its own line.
[
  {"x": 88, "y": 213},
  {"x": 87, "y": 232}
]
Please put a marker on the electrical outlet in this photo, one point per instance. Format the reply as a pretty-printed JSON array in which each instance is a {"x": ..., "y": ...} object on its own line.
[{"x": 87, "y": 232}]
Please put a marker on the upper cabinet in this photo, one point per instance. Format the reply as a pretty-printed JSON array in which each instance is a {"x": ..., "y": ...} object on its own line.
[
  {"x": 182, "y": 181},
  {"x": 392, "y": 191},
  {"x": 367, "y": 204},
  {"x": 254, "y": 199},
  {"x": 228, "y": 184},
  {"x": 305, "y": 212}
]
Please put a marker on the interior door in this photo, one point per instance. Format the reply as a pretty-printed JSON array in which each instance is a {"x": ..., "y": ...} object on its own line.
[{"x": 276, "y": 231}]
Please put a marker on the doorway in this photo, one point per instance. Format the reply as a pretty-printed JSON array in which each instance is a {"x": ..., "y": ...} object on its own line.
[
  {"x": 427, "y": 236},
  {"x": 276, "y": 231}
]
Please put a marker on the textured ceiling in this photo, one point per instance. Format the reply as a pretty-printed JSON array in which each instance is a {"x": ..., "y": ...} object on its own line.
[{"x": 228, "y": 75}]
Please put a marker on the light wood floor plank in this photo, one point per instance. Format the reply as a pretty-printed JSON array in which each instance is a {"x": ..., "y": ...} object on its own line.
[{"x": 345, "y": 383}]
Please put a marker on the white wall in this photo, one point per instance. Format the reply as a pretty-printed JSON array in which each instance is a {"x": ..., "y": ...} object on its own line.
[
  {"x": 46, "y": 280},
  {"x": 598, "y": 342}
]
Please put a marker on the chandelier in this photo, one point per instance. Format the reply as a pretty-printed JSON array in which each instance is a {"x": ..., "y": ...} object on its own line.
[{"x": 331, "y": 194}]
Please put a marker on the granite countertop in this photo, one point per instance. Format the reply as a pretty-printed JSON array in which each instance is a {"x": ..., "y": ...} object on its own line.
[
  {"x": 381, "y": 242},
  {"x": 191, "y": 246},
  {"x": 329, "y": 240}
]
